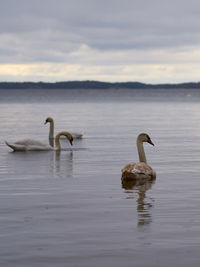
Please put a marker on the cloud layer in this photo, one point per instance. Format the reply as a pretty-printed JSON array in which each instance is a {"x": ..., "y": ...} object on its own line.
[{"x": 111, "y": 40}]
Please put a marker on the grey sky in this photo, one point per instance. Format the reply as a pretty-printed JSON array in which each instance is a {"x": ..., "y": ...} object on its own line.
[{"x": 107, "y": 38}]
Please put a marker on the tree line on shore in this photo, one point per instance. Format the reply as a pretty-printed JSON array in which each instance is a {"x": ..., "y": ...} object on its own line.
[{"x": 95, "y": 85}]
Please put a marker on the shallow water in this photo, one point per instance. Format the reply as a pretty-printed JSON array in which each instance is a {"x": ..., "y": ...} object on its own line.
[{"x": 70, "y": 208}]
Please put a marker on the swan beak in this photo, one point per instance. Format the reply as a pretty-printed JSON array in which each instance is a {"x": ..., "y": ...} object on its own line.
[
  {"x": 150, "y": 142},
  {"x": 71, "y": 140}
]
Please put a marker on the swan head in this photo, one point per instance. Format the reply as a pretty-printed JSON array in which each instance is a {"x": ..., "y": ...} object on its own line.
[
  {"x": 67, "y": 134},
  {"x": 49, "y": 119},
  {"x": 71, "y": 140},
  {"x": 69, "y": 137},
  {"x": 143, "y": 137}
]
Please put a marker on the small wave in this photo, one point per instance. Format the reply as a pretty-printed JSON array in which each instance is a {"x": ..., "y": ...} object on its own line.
[{"x": 74, "y": 149}]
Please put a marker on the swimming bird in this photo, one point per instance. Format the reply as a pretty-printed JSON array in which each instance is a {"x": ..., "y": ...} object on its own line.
[
  {"x": 33, "y": 145},
  {"x": 51, "y": 130},
  {"x": 140, "y": 170}
]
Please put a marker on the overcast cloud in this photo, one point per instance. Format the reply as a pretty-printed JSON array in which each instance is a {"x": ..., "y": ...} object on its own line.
[{"x": 153, "y": 41}]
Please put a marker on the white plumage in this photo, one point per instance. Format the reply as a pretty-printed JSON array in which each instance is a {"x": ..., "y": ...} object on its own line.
[{"x": 34, "y": 145}]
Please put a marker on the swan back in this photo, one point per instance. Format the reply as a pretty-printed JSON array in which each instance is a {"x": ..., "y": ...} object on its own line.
[
  {"x": 29, "y": 142},
  {"x": 28, "y": 146},
  {"x": 135, "y": 171},
  {"x": 16, "y": 147}
]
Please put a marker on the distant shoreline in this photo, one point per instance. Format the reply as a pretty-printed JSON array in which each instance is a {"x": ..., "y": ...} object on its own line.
[{"x": 96, "y": 85}]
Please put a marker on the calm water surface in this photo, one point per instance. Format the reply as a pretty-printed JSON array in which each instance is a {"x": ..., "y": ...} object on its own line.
[{"x": 70, "y": 208}]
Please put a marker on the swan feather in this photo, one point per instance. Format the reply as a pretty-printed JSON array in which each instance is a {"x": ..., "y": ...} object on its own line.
[
  {"x": 34, "y": 145},
  {"x": 137, "y": 170},
  {"x": 28, "y": 147}
]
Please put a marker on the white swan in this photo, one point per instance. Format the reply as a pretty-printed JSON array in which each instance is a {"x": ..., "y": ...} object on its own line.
[
  {"x": 32, "y": 145},
  {"x": 139, "y": 170},
  {"x": 51, "y": 130}
]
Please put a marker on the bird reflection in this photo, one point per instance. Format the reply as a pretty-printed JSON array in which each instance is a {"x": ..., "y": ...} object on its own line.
[
  {"x": 64, "y": 164},
  {"x": 144, "y": 205}
]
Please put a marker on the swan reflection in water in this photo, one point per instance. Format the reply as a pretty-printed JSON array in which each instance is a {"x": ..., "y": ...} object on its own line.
[
  {"x": 48, "y": 164},
  {"x": 63, "y": 165},
  {"x": 144, "y": 204}
]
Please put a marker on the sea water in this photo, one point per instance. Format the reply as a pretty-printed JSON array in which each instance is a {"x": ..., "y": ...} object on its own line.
[{"x": 69, "y": 208}]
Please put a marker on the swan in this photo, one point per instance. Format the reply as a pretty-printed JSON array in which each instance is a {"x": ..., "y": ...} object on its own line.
[
  {"x": 51, "y": 130},
  {"x": 32, "y": 145},
  {"x": 140, "y": 170}
]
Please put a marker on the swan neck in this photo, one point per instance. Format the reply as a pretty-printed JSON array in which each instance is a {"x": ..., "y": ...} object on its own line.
[
  {"x": 57, "y": 141},
  {"x": 51, "y": 142},
  {"x": 141, "y": 153},
  {"x": 51, "y": 130}
]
